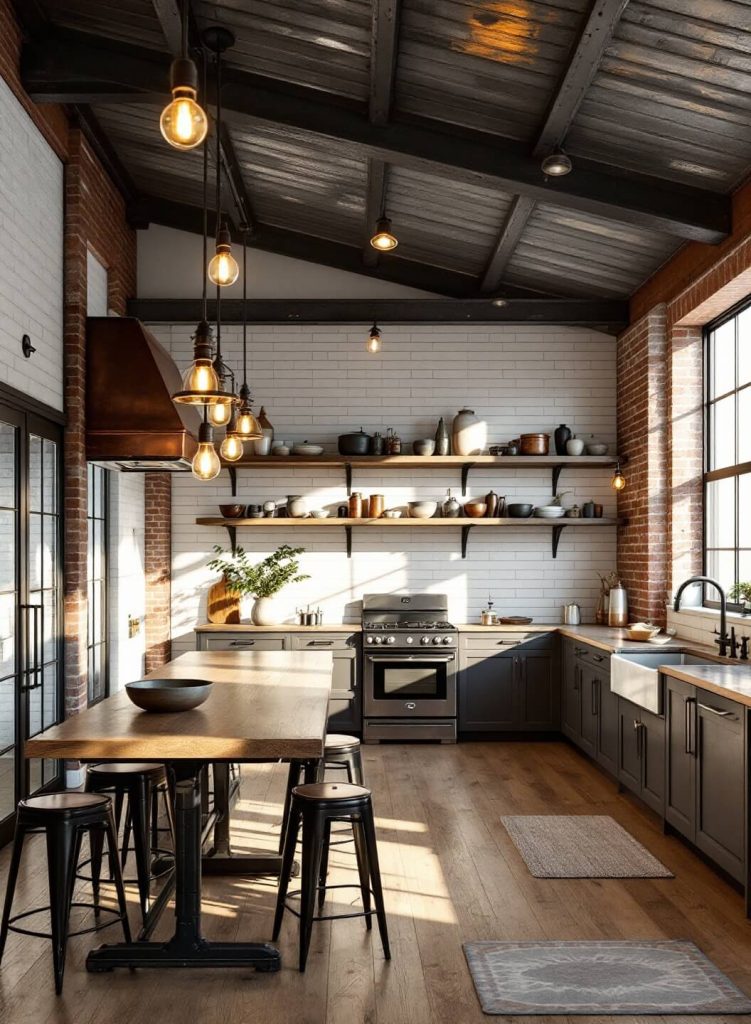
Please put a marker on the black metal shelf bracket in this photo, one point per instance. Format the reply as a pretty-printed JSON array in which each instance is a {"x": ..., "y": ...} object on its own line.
[
  {"x": 557, "y": 530},
  {"x": 232, "y": 470},
  {"x": 232, "y": 531},
  {"x": 348, "y": 477},
  {"x": 348, "y": 531},
  {"x": 465, "y": 538},
  {"x": 557, "y": 470},
  {"x": 465, "y": 477}
]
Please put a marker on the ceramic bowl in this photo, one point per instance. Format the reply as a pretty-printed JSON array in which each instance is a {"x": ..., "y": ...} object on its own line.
[
  {"x": 519, "y": 510},
  {"x": 422, "y": 509},
  {"x": 596, "y": 448},
  {"x": 307, "y": 449},
  {"x": 319, "y": 513},
  {"x": 515, "y": 620},
  {"x": 393, "y": 513},
  {"x": 574, "y": 446},
  {"x": 426, "y": 446},
  {"x": 641, "y": 631},
  {"x": 476, "y": 509},
  {"x": 168, "y": 695},
  {"x": 232, "y": 511}
]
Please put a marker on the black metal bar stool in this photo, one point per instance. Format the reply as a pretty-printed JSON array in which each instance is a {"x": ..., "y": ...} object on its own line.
[
  {"x": 299, "y": 771},
  {"x": 64, "y": 818},
  {"x": 343, "y": 752},
  {"x": 139, "y": 783},
  {"x": 317, "y": 805}
]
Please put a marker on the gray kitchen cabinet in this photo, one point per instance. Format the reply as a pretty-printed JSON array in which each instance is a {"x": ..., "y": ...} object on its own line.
[
  {"x": 571, "y": 703},
  {"x": 599, "y": 721},
  {"x": 589, "y": 717},
  {"x": 233, "y": 642},
  {"x": 706, "y": 773},
  {"x": 508, "y": 683},
  {"x": 641, "y": 754},
  {"x": 345, "y": 703}
]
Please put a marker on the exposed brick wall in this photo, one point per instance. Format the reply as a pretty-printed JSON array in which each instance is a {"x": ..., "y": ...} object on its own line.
[
  {"x": 158, "y": 568},
  {"x": 642, "y": 438}
]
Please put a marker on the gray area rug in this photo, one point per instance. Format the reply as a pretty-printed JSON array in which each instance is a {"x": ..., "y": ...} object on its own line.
[
  {"x": 624, "y": 977},
  {"x": 580, "y": 846}
]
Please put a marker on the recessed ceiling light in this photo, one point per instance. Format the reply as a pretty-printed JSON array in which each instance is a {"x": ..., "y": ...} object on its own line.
[{"x": 557, "y": 164}]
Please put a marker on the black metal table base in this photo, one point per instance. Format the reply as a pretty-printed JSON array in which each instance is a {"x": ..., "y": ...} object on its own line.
[{"x": 187, "y": 947}]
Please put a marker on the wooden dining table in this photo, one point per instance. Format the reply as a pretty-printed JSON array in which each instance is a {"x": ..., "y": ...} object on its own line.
[{"x": 263, "y": 706}]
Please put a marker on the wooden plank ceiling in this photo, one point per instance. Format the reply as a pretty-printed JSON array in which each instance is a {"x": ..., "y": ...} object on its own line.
[{"x": 438, "y": 112}]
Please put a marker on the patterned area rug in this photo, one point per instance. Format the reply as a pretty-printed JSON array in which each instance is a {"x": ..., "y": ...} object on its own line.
[
  {"x": 580, "y": 846},
  {"x": 624, "y": 977}
]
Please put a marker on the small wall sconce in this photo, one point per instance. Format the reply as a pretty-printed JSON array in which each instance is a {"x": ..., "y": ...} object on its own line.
[{"x": 26, "y": 347}]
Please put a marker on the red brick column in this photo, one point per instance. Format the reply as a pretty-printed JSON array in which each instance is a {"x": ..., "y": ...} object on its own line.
[
  {"x": 158, "y": 568},
  {"x": 642, "y": 439}
]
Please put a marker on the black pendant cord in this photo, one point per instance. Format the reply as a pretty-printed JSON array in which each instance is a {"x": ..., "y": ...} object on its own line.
[
  {"x": 184, "y": 28},
  {"x": 245, "y": 306},
  {"x": 218, "y": 193},
  {"x": 204, "y": 298}
]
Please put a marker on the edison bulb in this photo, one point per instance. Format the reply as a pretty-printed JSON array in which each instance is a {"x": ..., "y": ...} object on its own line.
[
  {"x": 248, "y": 427},
  {"x": 231, "y": 448},
  {"x": 206, "y": 464},
  {"x": 383, "y": 239},
  {"x": 220, "y": 413},
  {"x": 618, "y": 482},
  {"x": 373, "y": 344},
  {"x": 183, "y": 122},
  {"x": 223, "y": 268},
  {"x": 201, "y": 377}
]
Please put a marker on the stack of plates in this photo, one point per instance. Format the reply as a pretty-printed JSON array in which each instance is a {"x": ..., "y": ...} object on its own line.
[{"x": 550, "y": 512}]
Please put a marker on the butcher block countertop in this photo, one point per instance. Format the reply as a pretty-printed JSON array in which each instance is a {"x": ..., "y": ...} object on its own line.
[
  {"x": 732, "y": 681},
  {"x": 288, "y": 627}
]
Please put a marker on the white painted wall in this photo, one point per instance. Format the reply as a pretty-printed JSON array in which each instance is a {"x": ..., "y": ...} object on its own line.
[
  {"x": 319, "y": 382},
  {"x": 96, "y": 286},
  {"x": 31, "y": 255},
  {"x": 127, "y": 582},
  {"x": 169, "y": 266}
]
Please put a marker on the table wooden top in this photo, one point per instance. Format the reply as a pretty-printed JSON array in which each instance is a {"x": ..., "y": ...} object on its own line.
[{"x": 263, "y": 704}]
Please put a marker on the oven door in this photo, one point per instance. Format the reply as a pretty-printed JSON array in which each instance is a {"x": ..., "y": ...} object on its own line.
[{"x": 410, "y": 685}]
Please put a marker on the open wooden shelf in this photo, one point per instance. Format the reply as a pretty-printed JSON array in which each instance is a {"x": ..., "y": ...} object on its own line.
[
  {"x": 465, "y": 524},
  {"x": 465, "y": 463}
]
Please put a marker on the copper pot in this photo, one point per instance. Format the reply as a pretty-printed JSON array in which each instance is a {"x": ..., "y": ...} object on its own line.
[
  {"x": 377, "y": 505},
  {"x": 535, "y": 444}
]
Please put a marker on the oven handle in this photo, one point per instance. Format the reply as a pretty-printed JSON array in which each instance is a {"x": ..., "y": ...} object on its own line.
[{"x": 439, "y": 659}]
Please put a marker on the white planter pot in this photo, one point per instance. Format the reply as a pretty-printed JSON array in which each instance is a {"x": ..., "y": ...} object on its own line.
[
  {"x": 267, "y": 611},
  {"x": 469, "y": 433}
]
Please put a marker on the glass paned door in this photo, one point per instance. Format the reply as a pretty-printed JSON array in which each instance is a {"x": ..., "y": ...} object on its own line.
[{"x": 30, "y": 602}]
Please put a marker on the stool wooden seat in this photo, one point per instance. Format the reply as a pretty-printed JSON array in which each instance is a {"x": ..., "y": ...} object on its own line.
[
  {"x": 64, "y": 818},
  {"x": 316, "y": 806}
]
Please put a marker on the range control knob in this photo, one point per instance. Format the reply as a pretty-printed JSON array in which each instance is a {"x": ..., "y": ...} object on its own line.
[
  {"x": 436, "y": 639},
  {"x": 424, "y": 639},
  {"x": 378, "y": 640},
  {"x": 390, "y": 639},
  {"x": 370, "y": 640},
  {"x": 448, "y": 639},
  {"x": 410, "y": 639}
]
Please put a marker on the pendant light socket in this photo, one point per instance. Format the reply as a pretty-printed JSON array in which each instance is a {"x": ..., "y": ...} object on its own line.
[
  {"x": 373, "y": 344},
  {"x": 200, "y": 384}
]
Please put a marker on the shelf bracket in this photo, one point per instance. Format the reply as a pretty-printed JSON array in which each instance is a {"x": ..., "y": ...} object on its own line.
[
  {"x": 232, "y": 470},
  {"x": 465, "y": 538},
  {"x": 556, "y": 477},
  {"x": 348, "y": 531},
  {"x": 557, "y": 530},
  {"x": 348, "y": 477},
  {"x": 232, "y": 531},
  {"x": 465, "y": 476}
]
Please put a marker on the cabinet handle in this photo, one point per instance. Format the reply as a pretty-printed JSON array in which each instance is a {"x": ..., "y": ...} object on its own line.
[
  {"x": 576, "y": 678},
  {"x": 717, "y": 711},
  {"x": 320, "y": 643},
  {"x": 242, "y": 643},
  {"x": 637, "y": 730},
  {"x": 599, "y": 657},
  {"x": 690, "y": 704},
  {"x": 595, "y": 695}
]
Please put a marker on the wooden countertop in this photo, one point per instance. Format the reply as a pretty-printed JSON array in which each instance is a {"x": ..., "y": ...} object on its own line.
[
  {"x": 285, "y": 627},
  {"x": 732, "y": 681},
  {"x": 263, "y": 704}
]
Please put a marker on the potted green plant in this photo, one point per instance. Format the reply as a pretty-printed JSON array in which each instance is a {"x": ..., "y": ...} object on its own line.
[
  {"x": 741, "y": 593},
  {"x": 261, "y": 580}
]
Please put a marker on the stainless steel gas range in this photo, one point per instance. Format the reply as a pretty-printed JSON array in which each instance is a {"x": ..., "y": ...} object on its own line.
[{"x": 410, "y": 654}]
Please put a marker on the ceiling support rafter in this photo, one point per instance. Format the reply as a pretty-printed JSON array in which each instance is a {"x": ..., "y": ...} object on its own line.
[
  {"x": 55, "y": 68},
  {"x": 171, "y": 21},
  {"x": 384, "y": 41},
  {"x": 582, "y": 67}
]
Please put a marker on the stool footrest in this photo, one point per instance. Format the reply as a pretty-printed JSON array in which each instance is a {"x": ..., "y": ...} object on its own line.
[
  {"x": 13, "y": 927},
  {"x": 330, "y": 917}
]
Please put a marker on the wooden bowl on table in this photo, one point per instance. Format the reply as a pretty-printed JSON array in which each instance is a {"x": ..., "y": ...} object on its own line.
[{"x": 166, "y": 696}]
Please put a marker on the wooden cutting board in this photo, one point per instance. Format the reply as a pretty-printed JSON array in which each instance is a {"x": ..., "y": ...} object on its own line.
[{"x": 223, "y": 607}]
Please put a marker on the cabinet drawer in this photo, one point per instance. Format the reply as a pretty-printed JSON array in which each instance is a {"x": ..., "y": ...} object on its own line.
[
  {"x": 505, "y": 641},
  {"x": 592, "y": 656},
  {"x": 229, "y": 642},
  {"x": 324, "y": 642}
]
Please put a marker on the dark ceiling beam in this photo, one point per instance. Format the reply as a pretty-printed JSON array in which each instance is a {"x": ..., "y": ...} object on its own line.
[
  {"x": 384, "y": 41},
  {"x": 170, "y": 18},
  {"x": 582, "y": 68},
  {"x": 53, "y": 67},
  {"x": 105, "y": 152},
  {"x": 508, "y": 238},
  {"x": 598, "y": 29},
  {"x": 599, "y": 312}
]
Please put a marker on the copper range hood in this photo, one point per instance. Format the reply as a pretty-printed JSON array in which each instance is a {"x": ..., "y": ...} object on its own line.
[{"x": 131, "y": 421}]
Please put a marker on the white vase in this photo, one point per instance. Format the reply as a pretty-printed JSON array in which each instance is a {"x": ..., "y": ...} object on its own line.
[
  {"x": 469, "y": 433},
  {"x": 267, "y": 611}
]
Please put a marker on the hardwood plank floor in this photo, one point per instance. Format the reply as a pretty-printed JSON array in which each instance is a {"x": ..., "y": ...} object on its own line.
[{"x": 451, "y": 873}]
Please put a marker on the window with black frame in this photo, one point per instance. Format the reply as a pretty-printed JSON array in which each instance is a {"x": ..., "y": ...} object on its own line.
[
  {"x": 727, "y": 476},
  {"x": 97, "y": 584}
]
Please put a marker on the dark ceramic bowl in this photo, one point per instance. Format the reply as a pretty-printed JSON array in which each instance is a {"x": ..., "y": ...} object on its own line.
[
  {"x": 519, "y": 510},
  {"x": 232, "y": 511},
  {"x": 168, "y": 695}
]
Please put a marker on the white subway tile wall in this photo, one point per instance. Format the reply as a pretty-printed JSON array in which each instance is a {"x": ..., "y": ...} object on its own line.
[
  {"x": 127, "y": 594},
  {"x": 318, "y": 382},
  {"x": 31, "y": 256}
]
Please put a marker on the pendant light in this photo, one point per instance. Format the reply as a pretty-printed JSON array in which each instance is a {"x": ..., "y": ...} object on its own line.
[
  {"x": 373, "y": 344},
  {"x": 231, "y": 448},
  {"x": 200, "y": 384},
  {"x": 248, "y": 427},
  {"x": 223, "y": 269},
  {"x": 384, "y": 240},
  {"x": 618, "y": 481},
  {"x": 206, "y": 464},
  {"x": 557, "y": 164},
  {"x": 183, "y": 122}
]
